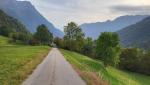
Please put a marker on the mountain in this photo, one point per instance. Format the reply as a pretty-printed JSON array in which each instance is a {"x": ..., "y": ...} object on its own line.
[
  {"x": 25, "y": 12},
  {"x": 11, "y": 23},
  {"x": 94, "y": 29},
  {"x": 137, "y": 35}
]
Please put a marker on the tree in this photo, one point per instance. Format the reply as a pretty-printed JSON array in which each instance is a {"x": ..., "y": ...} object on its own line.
[
  {"x": 43, "y": 36},
  {"x": 59, "y": 42},
  {"x": 129, "y": 58},
  {"x": 5, "y": 31},
  {"x": 23, "y": 37},
  {"x": 88, "y": 47},
  {"x": 74, "y": 37},
  {"x": 108, "y": 48},
  {"x": 144, "y": 64}
]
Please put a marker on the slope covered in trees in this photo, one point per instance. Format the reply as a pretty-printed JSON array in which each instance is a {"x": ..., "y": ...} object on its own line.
[
  {"x": 136, "y": 35},
  {"x": 10, "y": 24}
]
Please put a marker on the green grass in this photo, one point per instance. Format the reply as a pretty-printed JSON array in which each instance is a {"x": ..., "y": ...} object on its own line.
[
  {"x": 4, "y": 41},
  {"x": 17, "y": 62},
  {"x": 112, "y": 75}
]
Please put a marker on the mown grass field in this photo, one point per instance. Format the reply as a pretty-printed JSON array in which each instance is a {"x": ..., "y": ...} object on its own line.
[
  {"x": 94, "y": 73},
  {"x": 18, "y": 61}
]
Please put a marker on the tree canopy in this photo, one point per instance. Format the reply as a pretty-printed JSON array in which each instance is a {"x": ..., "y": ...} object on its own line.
[
  {"x": 74, "y": 37},
  {"x": 108, "y": 48},
  {"x": 43, "y": 35}
]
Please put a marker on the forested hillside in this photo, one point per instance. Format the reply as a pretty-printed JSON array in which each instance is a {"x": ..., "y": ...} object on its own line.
[
  {"x": 136, "y": 35},
  {"x": 10, "y": 23}
]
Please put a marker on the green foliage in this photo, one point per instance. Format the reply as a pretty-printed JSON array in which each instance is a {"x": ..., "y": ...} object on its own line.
[
  {"x": 59, "y": 42},
  {"x": 4, "y": 41},
  {"x": 74, "y": 37},
  {"x": 43, "y": 36},
  {"x": 88, "y": 48},
  {"x": 4, "y": 31},
  {"x": 20, "y": 36},
  {"x": 108, "y": 48},
  {"x": 136, "y": 60},
  {"x": 112, "y": 75}
]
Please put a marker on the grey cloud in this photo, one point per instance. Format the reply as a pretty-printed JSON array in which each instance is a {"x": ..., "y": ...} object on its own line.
[{"x": 131, "y": 9}]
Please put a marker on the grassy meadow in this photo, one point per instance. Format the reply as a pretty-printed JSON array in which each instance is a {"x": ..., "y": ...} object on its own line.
[
  {"x": 17, "y": 62},
  {"x": 94, "y": 72}
]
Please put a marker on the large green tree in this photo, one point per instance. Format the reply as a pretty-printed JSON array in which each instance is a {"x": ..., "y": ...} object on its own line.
[
  {"x": 43, "y": 35},
  {"x": 74, "y": 37},
  {"x": 108, "y": 48}
]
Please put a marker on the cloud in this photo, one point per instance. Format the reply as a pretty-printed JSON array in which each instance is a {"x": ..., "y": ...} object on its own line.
[
  {"x": 131, "y": 9},
  {"x": 60, "y": 12}
]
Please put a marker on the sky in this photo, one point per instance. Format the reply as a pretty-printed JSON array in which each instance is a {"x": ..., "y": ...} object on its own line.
[{"x": 60, "y": 12}]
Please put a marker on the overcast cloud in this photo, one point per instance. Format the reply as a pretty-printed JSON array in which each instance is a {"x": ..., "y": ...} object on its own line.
[{"x": 60, "y": 12}]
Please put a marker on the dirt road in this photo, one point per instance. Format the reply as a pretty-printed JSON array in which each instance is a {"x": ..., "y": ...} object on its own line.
[{"x": 54, "y": 70}]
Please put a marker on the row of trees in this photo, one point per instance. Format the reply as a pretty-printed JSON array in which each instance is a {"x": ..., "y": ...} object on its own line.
[
  {"x": 106, "y": 48},
  {"x": 41, "y": 37},
  {"x": 136, "y": 60},
  {"x": 15, "y": 35}
]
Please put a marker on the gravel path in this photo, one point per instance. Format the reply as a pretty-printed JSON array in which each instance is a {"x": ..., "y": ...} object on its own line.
[{"x": 54, "y": 70}]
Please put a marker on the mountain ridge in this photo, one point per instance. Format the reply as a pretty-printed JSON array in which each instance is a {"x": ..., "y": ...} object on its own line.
[
  {"x": 94, "y": 29},
  {"x": 136, "y": 35}
]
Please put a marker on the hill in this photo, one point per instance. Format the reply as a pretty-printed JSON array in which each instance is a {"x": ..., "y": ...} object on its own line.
[
  {"x": 12, "y": 23},
  {"x": 94, "y": 29},
  {"x": 25, "y": 12},
  {"x": 94, "y": 72},
  {"x": 137, "y": 35}
]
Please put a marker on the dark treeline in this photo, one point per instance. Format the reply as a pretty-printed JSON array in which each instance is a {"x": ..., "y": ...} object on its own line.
[{"x": 135, "y": 60}]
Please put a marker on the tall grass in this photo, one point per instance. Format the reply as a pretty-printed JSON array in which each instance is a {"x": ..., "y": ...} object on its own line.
[{"x": 112, "y": 75}]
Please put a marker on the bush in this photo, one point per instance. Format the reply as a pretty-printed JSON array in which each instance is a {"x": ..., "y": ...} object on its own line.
[
  {"x": 135, "y": 60},
  {"x": 20, "y": 36}
]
